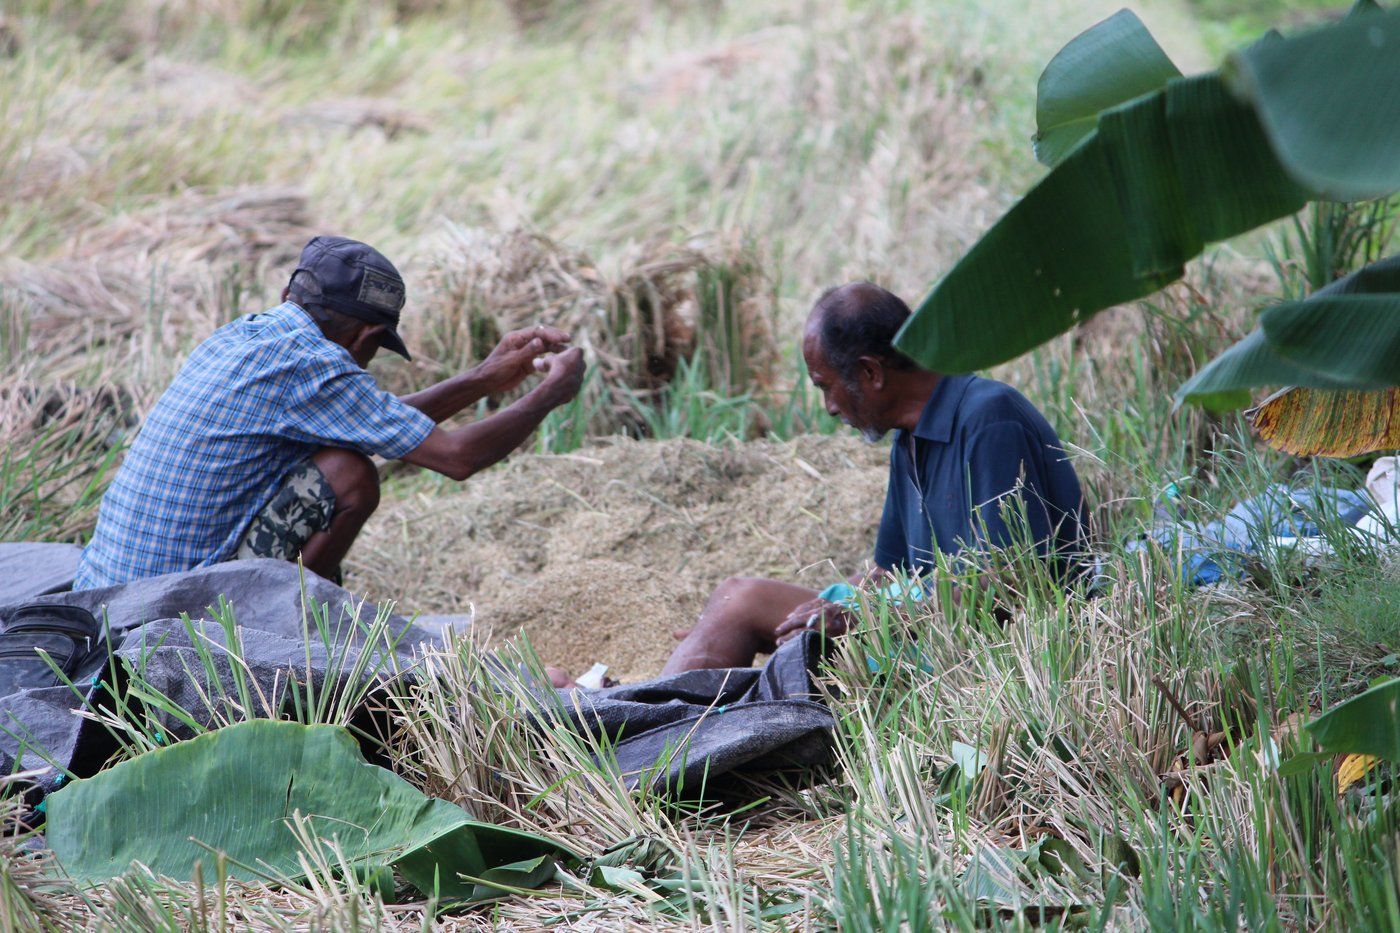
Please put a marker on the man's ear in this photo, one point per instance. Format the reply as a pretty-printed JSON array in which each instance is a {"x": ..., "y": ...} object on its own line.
[
  {"x": 872, "y": 372},
  {"x": 285, "y": 292},
  {"x": 366, "y": 334}
]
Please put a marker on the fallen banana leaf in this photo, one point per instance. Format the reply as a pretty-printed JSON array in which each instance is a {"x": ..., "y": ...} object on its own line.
[
  {"x": 1367, "y": 724},
  {"x": 1003, "y": 878},
  {"x": 1318, "y": 423},
  {"x": 233, "y": 791},
  {"x": 622, "y": 880}
]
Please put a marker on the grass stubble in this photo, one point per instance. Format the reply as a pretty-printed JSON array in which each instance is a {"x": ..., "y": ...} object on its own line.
[{"x": 667, "y": 178}]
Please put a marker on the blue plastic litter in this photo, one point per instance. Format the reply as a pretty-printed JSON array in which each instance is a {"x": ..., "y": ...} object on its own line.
[{"x": 1212, "y": 551}]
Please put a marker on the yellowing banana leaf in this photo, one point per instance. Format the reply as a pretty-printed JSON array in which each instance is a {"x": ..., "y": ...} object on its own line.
[
  {"x": 1323, "y": 423},
  {"x": 1104, "y": 66},
  {"x": 1352, "y": 769},
  {"x": 1164, "y": 174},
  {"x": 1367, "y": 724},
  {"x": 234, "y": 790}
]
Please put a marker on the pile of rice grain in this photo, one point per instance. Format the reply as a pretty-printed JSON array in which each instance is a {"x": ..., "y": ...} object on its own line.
[{"x": 600, "y": 555}]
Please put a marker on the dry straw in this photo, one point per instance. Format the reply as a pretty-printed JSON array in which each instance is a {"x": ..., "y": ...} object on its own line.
[{"x": 663, "y": 302}]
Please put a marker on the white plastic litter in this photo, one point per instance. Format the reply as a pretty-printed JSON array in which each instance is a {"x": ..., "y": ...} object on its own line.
[
  {"x": 592, "y": 679},
  {"x": 1378, "y": 528}
]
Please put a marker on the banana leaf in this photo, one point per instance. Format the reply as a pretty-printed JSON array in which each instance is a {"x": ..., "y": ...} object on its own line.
[
  {"x": 231, "y": 793},
  {"x": 1031, "y": 285},
  {"x": 1329, "y": 102},
  {"x": 1104, "y": 66},
  {"x": 1223, "y": 384},
  {"x": 1321, "y": 423},
  {"x": 1367, "y": 724},
  {"x": 1165, "y": 173},
  {"x": 1353, "y": 339}
]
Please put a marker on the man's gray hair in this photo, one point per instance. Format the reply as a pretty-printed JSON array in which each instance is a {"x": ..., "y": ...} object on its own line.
[{"x": 304, "y": 290}]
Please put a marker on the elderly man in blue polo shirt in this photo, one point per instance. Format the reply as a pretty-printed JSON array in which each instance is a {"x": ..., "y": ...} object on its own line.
[
  {"x": 973, "y": 467},
  {"x": 261, "y": 446}
]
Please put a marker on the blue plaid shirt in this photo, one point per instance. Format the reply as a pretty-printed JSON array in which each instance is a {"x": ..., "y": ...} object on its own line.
[{"x": 259, "y": 396}]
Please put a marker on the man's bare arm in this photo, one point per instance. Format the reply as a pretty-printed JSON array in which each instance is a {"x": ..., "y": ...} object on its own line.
[
  {"x": 506, "y": 367},
  {"x": 460, "y": 452}
]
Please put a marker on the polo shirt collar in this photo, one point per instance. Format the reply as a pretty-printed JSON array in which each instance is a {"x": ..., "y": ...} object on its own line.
[
  {"x": 297, "y": 313},
  {"x": 936, "y": 422}
]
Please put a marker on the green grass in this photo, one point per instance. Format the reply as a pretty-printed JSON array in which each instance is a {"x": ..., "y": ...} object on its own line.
[{"x": 1228, "y": 24}]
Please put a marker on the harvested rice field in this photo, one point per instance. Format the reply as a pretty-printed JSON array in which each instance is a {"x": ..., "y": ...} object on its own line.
[{"x": 675, "y": 183}]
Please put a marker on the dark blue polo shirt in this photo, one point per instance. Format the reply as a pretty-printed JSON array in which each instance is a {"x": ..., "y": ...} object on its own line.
[{"x": 980, "y": 455}]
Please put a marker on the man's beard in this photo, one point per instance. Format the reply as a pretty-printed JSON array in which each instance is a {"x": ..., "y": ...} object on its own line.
[{"x": 871, "y": 435}]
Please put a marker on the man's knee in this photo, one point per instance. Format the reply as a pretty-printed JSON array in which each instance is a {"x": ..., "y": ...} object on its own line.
[
  {"x": 736, "y": 595},
  {"x": 352, "y": 477}
]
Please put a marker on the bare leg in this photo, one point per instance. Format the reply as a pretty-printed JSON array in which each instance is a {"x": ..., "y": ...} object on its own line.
[
  {"x": 559, "y": 678},
  {"x": 737, "y": 624},
  {"x": 355, "y": 481}
]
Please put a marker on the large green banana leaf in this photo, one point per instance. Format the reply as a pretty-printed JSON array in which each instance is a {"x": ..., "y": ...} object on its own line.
[
  {"x": 233, "y": 791},
  {"x": 1224, "y": 383},
  {"x": 1367, "y": 724},
  {"x": 1102, "y": 67},
  {"x": 1354, "y": 339},
  {"x": 1165, "y": 173},
  {"x": 1356, "y": 321},
  {"x": 1329, "y": 102}
]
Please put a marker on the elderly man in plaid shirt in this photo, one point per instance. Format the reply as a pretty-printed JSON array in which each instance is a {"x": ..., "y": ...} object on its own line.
[{"x": 261, "y": 446}]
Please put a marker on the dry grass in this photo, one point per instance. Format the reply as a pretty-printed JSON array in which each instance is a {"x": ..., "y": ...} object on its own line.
[{"x": 29, "y": 900}]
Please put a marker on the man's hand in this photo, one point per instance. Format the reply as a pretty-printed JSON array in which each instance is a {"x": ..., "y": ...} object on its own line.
[
  {"x": 461, "y": 452},
  {"x": 563, "y": 377},
  {"x": 815, "y": 615},
  {"x": 514, "y": 357}
]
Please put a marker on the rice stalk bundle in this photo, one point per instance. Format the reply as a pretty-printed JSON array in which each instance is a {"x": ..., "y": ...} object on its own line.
[{"x": 663, "y": 303}]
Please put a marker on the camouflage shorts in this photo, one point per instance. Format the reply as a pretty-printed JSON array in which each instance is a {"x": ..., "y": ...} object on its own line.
[{"x": 303, "y": 506}]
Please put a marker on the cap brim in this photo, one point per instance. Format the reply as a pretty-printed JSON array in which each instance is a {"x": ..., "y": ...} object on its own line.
[{"x": 392, "y": 341}]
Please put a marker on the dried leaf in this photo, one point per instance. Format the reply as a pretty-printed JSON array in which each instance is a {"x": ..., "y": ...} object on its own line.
[
  {"x": 1352, "y": 769},
  {"x": 1330, "y": 423}
]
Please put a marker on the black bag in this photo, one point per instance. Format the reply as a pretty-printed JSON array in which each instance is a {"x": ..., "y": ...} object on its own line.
[{"x": 68, "y": 634}]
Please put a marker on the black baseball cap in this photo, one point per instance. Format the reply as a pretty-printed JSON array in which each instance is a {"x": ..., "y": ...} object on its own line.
[{"x": 356, "y": 279}]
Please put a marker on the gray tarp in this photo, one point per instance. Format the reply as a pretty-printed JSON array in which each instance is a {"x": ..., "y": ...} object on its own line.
[
  {"x": 733, "y": 721},
  {"x": 718, "y": 722},
  {"x": 40, "y": 730},
  {"x": 29, "y": 570}
]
